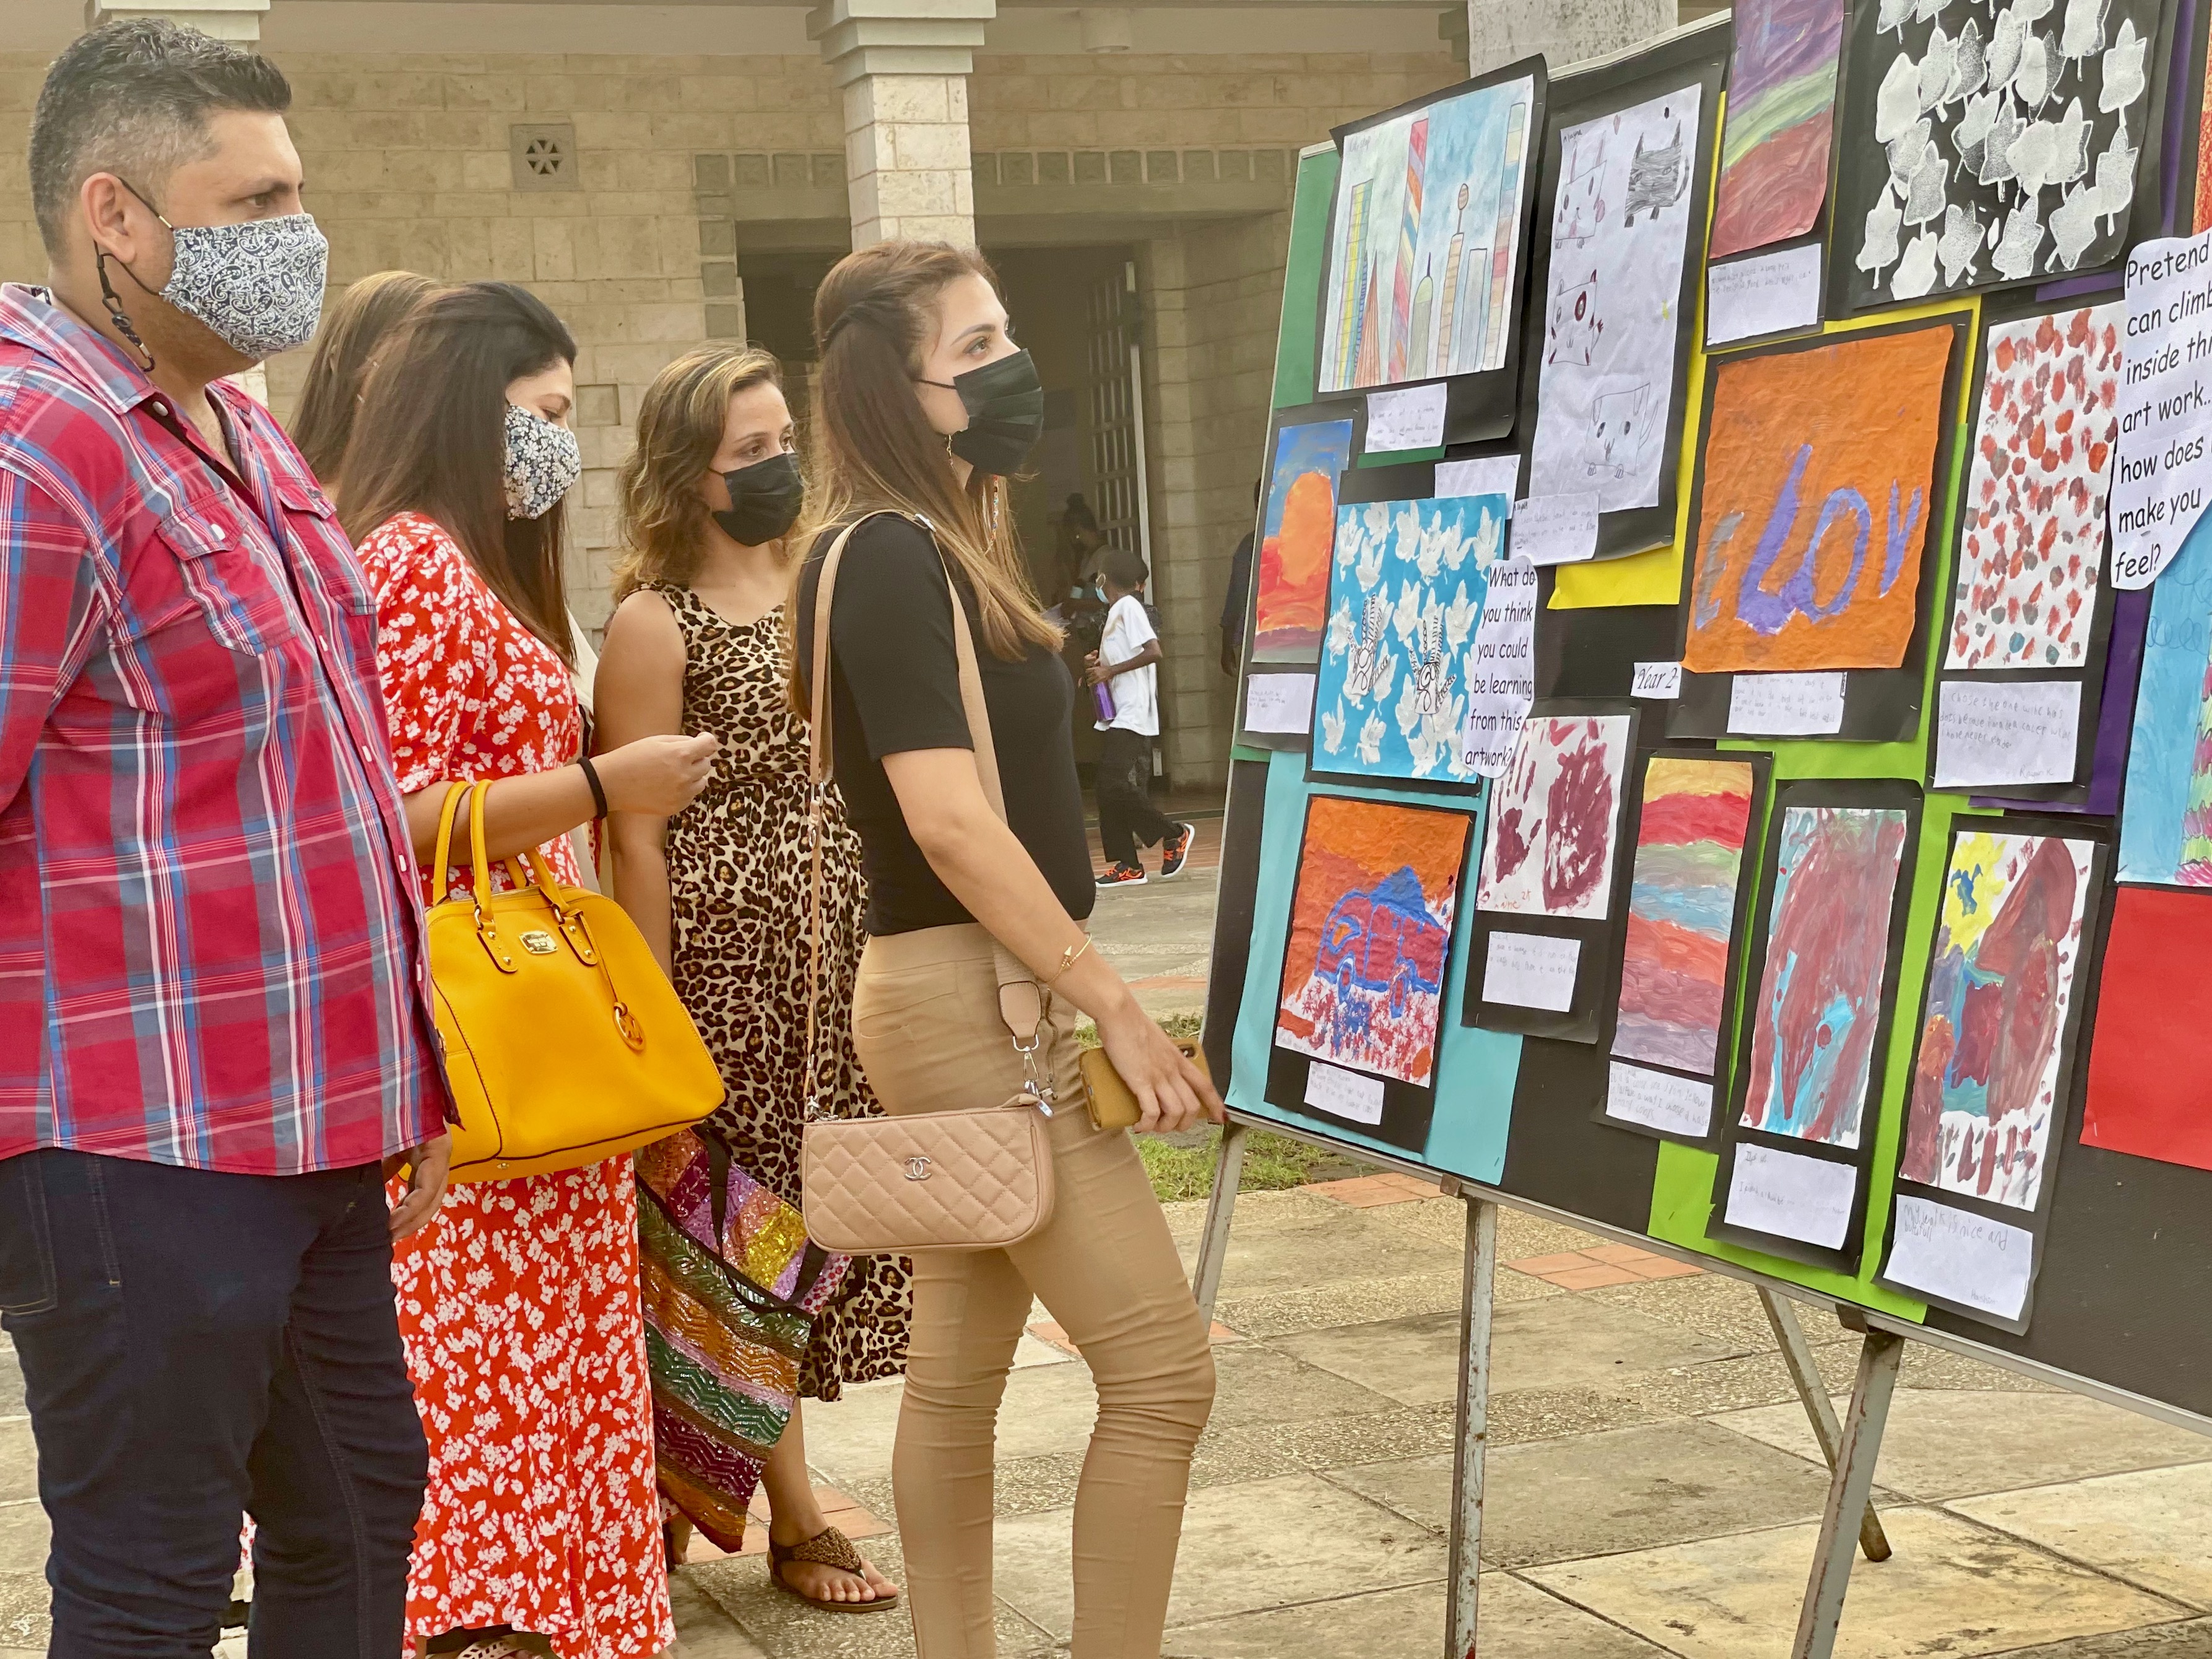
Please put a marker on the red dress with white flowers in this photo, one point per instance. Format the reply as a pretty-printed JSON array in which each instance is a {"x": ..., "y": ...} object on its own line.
[{"x": 519, "y": 1303}]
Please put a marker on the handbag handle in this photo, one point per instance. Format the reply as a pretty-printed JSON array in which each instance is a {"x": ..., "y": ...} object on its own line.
[
  {"x": 1021, "y": 999},
  {"x": 570, "y": 920}
]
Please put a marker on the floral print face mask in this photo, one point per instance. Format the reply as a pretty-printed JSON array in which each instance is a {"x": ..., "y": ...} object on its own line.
[{"x": 543, "y": 461}]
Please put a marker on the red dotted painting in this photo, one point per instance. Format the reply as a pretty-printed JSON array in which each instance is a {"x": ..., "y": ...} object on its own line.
[{"x": 2032, "y": 550}]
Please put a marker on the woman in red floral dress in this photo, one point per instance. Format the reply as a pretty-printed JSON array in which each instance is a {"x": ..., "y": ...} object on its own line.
[{"x": 540, "y": 1527}]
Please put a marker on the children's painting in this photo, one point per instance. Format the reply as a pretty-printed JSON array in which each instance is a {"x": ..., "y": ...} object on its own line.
[
  {"x": 1620, "y": 226},
  {"x": 1993, "y": 1021},
  {"x": 1681, "y": 911},
  {"x": 1817, "y": 494},
  {"x": 2165, "y": 813},
  {"x": 1297, "y": 529},
  {"x": 1425, "y": 242},
  {"x": 1820, "y": 988},
  {"x": 2032, "y": 549},
  {"x": 1780, "y": 118},
  {"x": 1406, "y": 590},
  {"x": 1371, "y": 936},
  {"x": 1554, "y": 821},
  {"x": 1991, "y": 141}
]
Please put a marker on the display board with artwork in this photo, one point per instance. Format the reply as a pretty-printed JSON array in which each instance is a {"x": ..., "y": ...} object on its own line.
[{"x": 1832, "y": 912}]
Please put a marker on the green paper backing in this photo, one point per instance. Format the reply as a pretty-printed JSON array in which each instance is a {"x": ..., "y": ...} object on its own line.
[
  {"x": 1682, "y": 1187},
  {"x": 1297, "y": 337}
]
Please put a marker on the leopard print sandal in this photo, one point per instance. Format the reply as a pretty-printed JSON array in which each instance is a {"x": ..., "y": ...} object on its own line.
[{"x": 827, "y": 1548}]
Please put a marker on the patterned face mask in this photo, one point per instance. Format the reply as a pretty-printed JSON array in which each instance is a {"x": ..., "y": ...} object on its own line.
[
  {"x": 543, "y": 461},
  {"x": 258, "y": 285}
]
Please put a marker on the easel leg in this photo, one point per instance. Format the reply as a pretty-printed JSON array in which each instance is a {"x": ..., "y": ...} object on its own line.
[
  {"x": 1472, "y": 1439},
  {"x": 1805, "y": 1373},
  {"x": 1213, "y": 1243},
  {"x": 1849, "y": 1489}
]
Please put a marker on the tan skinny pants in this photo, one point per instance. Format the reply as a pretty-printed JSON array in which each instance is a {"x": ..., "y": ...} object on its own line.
[{"x": 926, "y": 1022}]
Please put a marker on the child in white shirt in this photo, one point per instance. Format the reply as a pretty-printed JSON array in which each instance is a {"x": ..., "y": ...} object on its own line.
[{"x": 1125, "y": 664}]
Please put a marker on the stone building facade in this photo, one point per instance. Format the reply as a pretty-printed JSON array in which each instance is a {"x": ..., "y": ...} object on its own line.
[{"x": 662, "y": 174}]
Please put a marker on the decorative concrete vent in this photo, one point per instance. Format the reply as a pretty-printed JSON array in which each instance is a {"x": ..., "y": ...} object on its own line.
[{"x": 544, "y": 155}]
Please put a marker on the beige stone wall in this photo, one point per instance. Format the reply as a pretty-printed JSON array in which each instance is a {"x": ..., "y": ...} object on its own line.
[
  {"x": 409, "y": 161},
  {"x": 21, "y": 258},
  {"x": 409, "y": 164},
  {"x": 1216, "y": 294}
]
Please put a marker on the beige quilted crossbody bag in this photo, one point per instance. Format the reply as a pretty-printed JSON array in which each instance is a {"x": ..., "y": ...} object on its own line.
[{"x": 978, "y": 1178}]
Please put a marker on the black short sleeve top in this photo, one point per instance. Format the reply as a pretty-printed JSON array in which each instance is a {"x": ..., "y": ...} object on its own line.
[{"x": 894, "y": 687}]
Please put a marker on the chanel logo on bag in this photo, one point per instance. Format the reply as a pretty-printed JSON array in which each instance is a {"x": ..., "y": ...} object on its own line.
[
  {"x": 538, "y": 943},
  {"x": 917, "y": 1168}
]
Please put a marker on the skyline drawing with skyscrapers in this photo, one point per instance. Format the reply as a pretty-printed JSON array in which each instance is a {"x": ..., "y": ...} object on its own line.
[{"x": 1435, "y": 299}]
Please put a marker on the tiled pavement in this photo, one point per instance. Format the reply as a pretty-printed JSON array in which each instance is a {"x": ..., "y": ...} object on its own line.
[
  {"x": 1159, "y": 935},
  {"x": 1653, "y": 1490}
]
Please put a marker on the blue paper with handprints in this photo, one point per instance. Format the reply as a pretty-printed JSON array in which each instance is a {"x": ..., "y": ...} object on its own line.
[{"x": 1406, "y": 589}]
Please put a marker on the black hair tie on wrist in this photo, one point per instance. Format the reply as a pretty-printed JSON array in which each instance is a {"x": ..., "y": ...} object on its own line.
[{"x": 598, "y": 790}]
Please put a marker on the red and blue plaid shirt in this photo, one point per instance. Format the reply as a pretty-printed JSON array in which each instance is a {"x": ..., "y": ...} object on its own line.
[{"x": 210, "y": 939}]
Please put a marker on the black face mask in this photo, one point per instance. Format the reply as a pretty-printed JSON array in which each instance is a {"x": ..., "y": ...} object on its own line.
[
  {"x": 764, "y": 500},
  {"x": 1005, "y": 401}
]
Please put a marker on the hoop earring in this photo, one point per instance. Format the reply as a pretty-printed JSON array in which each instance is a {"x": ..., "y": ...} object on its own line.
[{"x": 116, "y": 314}]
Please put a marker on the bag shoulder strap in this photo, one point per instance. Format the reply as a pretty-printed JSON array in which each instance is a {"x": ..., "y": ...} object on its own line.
[
  {"x": 821, "y": 750},
  {"x": 1021, "y": 1000}
]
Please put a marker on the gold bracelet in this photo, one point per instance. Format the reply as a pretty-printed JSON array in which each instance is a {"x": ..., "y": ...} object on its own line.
[{"x": 1068, "y": 958}]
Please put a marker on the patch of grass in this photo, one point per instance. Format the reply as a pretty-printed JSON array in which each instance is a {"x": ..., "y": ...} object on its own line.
[
  {"x": 1272, "y": 1162},
  {"x": 1182, "y": 1166}
]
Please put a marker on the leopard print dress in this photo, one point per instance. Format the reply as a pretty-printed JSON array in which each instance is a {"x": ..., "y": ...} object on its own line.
[{"x": 738, "y": 892}]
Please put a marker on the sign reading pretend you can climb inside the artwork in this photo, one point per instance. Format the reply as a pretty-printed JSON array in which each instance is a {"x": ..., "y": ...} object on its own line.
[{"x": 2166, "y": 407}]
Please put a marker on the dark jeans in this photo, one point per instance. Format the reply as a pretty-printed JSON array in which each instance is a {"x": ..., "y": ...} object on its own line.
[
  {"x": 195, "y": 1346},
  {"x": 1127, "y": 817}
]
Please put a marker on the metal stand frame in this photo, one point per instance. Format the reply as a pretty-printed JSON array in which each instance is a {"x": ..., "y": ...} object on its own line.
[
  {"x": 1813, "y": 1391},
  {"x": 1848, "y": 1512},
  {"x": 1848, "y": 1521},
  {"x": 1471, "y": 1439}
]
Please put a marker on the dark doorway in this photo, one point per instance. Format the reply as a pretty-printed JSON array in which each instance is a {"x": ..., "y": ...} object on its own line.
[{"x": 1076, "y": 309}]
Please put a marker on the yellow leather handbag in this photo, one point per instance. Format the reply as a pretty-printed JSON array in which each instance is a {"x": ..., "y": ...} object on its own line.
[{"x": 565, "y": 1043}]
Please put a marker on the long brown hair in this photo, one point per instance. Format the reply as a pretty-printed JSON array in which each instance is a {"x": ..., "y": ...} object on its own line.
[
  {"x": 872, "y": 447},
  {"x": 353, "y": 330},
  {"x": 431, "y": 438},
  {"x": 679, "y": 427}
]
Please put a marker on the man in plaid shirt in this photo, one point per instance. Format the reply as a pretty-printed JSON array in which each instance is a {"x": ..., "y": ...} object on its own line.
[{"x": 215, "y": 1031}]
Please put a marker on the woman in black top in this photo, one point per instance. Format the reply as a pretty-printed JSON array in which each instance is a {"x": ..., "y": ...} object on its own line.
[{"x": 923, "y": 406}]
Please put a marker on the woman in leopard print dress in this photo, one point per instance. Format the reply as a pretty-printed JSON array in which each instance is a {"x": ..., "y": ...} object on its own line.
[{"x": 698, "y": 645}]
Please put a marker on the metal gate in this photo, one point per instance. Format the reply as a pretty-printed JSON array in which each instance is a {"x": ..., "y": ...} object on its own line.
[{"x": 1115, "y": 410}]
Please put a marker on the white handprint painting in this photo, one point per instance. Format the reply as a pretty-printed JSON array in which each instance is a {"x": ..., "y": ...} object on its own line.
[{"x": 1405, "y": 590}]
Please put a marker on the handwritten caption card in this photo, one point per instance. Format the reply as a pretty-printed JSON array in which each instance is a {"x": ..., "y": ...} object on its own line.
[
  {"x": 1278, "y": 703},
  {"x": 1791, "y": 1196},
  {"x": 1531, "y": 970},
  {"x": 1962, "y": 1257},
  {"x": 1660, "y": 1100},
  {"x": 1412, "y": 418},
  {"x": 1786, "y": 704},
  {"x": 1343, "y": 1093},
  {"x": 1555, "y": 529},
  {"x": 1774, "y": 295},
  {"x": 1996, "y": 732}
]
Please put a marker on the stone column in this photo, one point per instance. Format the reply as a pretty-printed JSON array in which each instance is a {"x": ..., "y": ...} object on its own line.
[
  {"x": 226, "y": 20},
  {"x": 902, "y": 68},
  {"x": 1564, "y": 31}
]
